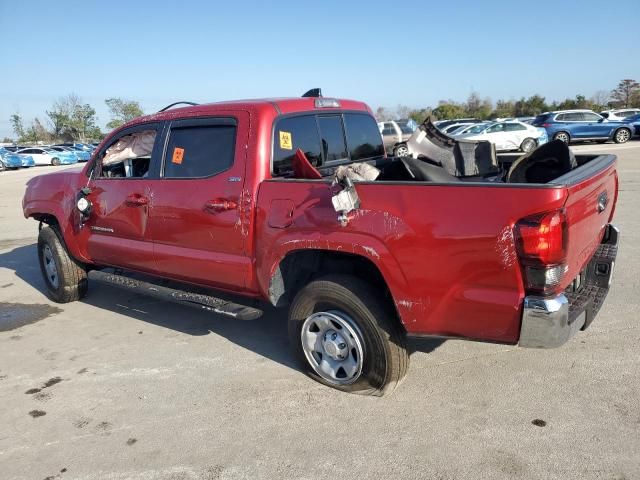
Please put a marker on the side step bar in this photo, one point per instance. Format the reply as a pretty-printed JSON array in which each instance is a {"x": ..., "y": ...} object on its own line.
[{"x": 206, "y": 302}]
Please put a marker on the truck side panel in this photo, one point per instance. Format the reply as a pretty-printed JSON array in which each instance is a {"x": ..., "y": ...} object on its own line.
[{"x": 446, "y": 252}]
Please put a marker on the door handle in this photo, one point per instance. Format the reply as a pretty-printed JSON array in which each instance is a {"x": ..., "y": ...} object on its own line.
[
  {"x": 136, "y": 200},
  {"x": 220, "y": 205}
]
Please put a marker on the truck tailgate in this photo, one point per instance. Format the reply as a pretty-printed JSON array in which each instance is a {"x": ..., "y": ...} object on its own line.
[{"x": 591, "y": 198}]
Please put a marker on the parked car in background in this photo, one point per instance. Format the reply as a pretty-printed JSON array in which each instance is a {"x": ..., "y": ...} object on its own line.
[
  {"x": 9, "y": 159},
  {"x": 47, "y": 156},
  {"x": 582, "y": 125},
  {"x": 620, "y": 114},
  {"x": 442, "y": 124},
  {"x": 509, "y": 136},
  {"x": 394, "y": 133},
  {"x": 634, "y": 121},
  {"x": 82, "y": 155},
  {"x": 472, "y": 128},
  {"x": 456, "y": 127}
]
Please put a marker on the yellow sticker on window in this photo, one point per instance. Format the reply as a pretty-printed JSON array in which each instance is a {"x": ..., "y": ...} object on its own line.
[
  {"x": 285, "y": 141},
  {"x": 178, "y": 155}
]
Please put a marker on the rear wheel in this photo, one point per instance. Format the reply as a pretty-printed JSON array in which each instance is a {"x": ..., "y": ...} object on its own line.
[
  {"x": 528, "y": 144},
  {"x": 66, "y": 279},
  {"x": 401, "y": 150},
  {"x": 622, "y": 135},
  {"x": 55, "y": 161},
  {"x": 2, "y": 167},
  {"x": 345, "y": 336},
  {"x": 563, "y": 137}
]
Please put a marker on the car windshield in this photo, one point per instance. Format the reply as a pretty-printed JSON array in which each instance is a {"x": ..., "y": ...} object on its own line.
[
  {"x": 477, "y": 128},
  {"x": 408, "y": 126}
]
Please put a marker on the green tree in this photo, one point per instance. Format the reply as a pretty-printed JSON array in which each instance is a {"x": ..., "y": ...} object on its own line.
[
  {"x": 17, "y": 125},
  {"x": 7, "y": 140},
  {"x": 420, "y": 115},
  {"x": 626, "y": 92},
  {"x": 122, "y": 111},
  {"x": 504, "y": 109},
  {"x": 447, "y": 110}
]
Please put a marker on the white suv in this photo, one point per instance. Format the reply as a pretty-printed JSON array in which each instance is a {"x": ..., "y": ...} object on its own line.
[{"x": 619, "y": 114}]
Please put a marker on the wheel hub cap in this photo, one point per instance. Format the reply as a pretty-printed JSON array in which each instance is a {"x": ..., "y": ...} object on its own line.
[
  {"x": 333, "y": 346},
  {"x": 50, "y": 266}
]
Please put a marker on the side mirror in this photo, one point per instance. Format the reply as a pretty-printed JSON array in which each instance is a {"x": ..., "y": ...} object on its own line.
[{"x": 601, "y": 120}]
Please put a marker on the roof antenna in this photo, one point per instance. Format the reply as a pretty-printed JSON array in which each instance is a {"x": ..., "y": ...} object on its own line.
[{"x": 313, "y": 93}]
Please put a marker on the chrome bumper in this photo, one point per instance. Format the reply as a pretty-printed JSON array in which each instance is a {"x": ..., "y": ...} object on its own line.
[{"x": 550, "y": 322}]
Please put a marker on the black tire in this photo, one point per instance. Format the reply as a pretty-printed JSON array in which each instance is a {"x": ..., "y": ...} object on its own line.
[
  {"x": 622, "y": 135},
  {"x": 55, "y": 161},
  {"x": 71, "y": 284},
  {"x": 401, "y": 150},
  {"x": 528, "y": 145},
  {"x": 2, "y": 167},
  {"x": 385, "y": 359},
  {"x": 563, "y": 137}
]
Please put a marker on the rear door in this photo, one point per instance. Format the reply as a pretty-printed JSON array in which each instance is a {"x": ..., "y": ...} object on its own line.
[
  {"x": 200, "y": 213},
  {"x": 515, "y": 135}
]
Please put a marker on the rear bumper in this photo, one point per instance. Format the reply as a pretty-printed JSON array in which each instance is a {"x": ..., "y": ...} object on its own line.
[{"x": 549, "y": 322}]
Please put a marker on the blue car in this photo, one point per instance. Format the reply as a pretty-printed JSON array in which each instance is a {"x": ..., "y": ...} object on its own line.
[
  {"x": 582, "y": 125},
  {"x": 634, "y": 121},
  {"x": 9, "y": 159}
]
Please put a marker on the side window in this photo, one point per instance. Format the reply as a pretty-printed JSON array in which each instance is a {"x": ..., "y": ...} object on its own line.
[
  {"x": 293, "y": 133},
  {"x": 199, "y": 151},
  {"x": 499, "y": 127},
  {"x": 561, "y": 118},
  {"x": 363, "y": 137},
  {"x": 591, "y": 117},
  {"x": 573, "y": 117},
  {"x": 332, "y": 137},
  {"x": 128, "y": 156},
  {"x": 514, "y": 127},
  {"x": 388, "y": 129}
]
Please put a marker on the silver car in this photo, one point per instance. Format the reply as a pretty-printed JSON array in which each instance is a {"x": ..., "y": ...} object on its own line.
[{"x": 395, "y": 133}]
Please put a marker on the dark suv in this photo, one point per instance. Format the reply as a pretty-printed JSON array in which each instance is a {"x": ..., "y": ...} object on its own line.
[{"x": 582, "y": 125}]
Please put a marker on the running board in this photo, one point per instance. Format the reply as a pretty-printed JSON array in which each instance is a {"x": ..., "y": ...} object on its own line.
[{"x": 206, "y": 302}]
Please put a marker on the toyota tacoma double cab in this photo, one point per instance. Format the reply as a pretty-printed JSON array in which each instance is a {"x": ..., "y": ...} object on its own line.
[{"x": 293, "y": 202}]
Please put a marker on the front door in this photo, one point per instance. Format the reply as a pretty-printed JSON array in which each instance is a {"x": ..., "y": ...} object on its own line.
[
  {"x": 120, "y": 195},
  {"x": 199, "y": 214}
]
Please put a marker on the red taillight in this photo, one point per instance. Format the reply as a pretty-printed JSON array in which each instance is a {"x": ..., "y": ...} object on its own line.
[
  {"x": 541, "y": 241},
  {"x": 545, "y": 125}
]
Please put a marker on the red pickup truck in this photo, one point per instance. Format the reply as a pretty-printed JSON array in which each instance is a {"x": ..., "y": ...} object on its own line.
[{"x": 246, "y": 198}]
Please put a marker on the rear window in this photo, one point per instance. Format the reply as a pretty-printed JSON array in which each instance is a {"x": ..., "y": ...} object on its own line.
[
  {"x": 540, "y": 119},
  {"x": 363, "y": 137},
  {"x": 325, "y": 139},
  {"x": 199, "y": 151}
]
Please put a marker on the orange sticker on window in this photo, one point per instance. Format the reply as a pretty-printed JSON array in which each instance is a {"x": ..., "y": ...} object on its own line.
[{"x": 178, "y": 155}]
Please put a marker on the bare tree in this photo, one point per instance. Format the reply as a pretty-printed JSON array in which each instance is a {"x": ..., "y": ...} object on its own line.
[{"x": 601, "y": 98}]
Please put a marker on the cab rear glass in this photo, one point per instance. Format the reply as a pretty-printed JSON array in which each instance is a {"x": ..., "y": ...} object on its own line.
[{"x": 326, "y": 139}]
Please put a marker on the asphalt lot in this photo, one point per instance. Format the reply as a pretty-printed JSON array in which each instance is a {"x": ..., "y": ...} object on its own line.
[{"x": 131, "y": 387}]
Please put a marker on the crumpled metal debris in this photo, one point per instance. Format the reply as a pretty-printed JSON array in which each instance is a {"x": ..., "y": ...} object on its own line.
[{"x": 357, "y": 172}]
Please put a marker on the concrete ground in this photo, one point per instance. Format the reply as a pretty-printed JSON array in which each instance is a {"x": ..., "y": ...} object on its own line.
[{"x": 120, "y": 386}]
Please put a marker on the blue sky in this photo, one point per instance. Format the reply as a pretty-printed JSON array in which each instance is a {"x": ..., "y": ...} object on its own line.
[{"x": 385, "y": 53}]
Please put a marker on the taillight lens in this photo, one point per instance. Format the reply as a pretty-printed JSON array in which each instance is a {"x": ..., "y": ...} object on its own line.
[
  {"x": 541, "y": 241},
  {"x": 545, "y": 125}
]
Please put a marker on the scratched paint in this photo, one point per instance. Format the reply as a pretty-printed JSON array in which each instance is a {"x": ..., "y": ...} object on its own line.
[{"x": 505, "y": 247}]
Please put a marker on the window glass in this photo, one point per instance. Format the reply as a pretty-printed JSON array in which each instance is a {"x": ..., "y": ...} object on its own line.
[
  {"x": 199, "y": 151},
  {"x": 573, "y": 117},
  {"x": 591, "y": 117},
  {"x": 128, "y": 156},
  {"x": 388, "y": 129},
  {"x": 514, "y": 127},
  {"x": 363, "y": 137},
  {"x": 332, "y": 136},
  {"x": 561, "y": 118},
  {"x": 293, "y": 133},
  {"x": 626, "y": 114},
  {"x": 498, "y": 127}
]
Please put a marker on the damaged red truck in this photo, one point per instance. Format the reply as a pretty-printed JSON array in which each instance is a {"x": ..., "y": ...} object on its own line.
[{"x": 242, "y": 198}]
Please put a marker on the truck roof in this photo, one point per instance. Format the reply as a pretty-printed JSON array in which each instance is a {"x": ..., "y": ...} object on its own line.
[{"x": 279, "y": 106}]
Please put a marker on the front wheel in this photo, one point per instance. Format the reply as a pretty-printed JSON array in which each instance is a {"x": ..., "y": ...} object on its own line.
[
  {"x": 66, "y": 279},
  {"x": 622, "y": 135},
  {"x": 528, "y": 144},
  {"x": 345, "y": 336},
  {"x": 401, "y": 150}
]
